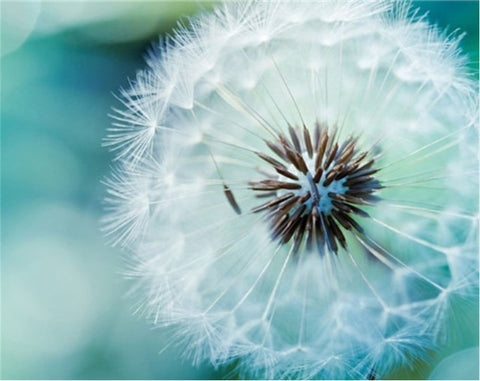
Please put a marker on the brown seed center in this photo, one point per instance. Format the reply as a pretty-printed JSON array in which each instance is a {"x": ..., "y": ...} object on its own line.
[{"x": 319, "y": 186}]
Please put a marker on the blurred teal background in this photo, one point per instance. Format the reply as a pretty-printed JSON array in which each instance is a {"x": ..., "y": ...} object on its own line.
[{"x": 64, "y": 306}]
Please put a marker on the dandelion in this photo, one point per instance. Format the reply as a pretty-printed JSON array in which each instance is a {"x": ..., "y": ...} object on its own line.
[{"x": 297, "y": 185}]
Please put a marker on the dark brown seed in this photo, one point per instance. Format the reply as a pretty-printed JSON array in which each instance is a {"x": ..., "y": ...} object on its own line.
[
  {"x": 319, "y": 229},
  {"x": 347, "y": 154},
  {"x": 330, "y": 156},
  {"x": 292, "y": 156},
  {"x": 292, "y": 224},
  {"x": 284, "y": 142},
  {"x": 318, "y": 175},
  {"x": 310, "y": 229},
  {"x": 346, "y": 221},
  {"x": 305, "y": 197},
  {"x": 301, "y": 163},
  {"x": 321, "y": 149},
  {"x": 352, "y": 222},
  {"x": 352, "y": 182},
  {"x": 339, "y": 217},
  {"x": 289, "y": 204},
  {"x": 361, "y": 192},
  {"x": 295, "y": 141},
  {"x": 350, "y": 168},
  {"x": 365, "y": 172},
  {"x": 348, "y": 208},
  {"x": 297, "y": 240},
  {"x": 269, "y": 160},
  {"x": 368, "y": 164},
  {"x": 345, "y": 198},
  {"x": 316, "y": 136},
  {"x": 231, "y": 199},
  {"x": 359, "y": 211},
  {"x": 283, "y": 171},
  {"x": 272, "y": 203},
  {"x": 329, "y": 234},
  {"x": 336, "y": 231},
  {"x": 331, "y": 175},
  {"x": 277, "y": 149},
  {"x": 342, "y": 206},
  {"x": 273, "y": 185},
  {"x": 308, "y": 142},
  {"x": 359, "y": 158},
  {"x": 278, "y": 225},
  {"x": 265, "y": 194}
]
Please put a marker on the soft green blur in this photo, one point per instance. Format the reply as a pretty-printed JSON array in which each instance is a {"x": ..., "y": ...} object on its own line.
[{"x": 65, "y": 312}]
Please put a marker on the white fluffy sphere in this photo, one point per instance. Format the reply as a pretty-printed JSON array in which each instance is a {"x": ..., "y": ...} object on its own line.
[{"x": 297, "y": 185}]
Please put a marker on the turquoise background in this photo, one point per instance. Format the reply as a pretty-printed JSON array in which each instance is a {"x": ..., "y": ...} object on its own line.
[{"x": 65, "y": 312}]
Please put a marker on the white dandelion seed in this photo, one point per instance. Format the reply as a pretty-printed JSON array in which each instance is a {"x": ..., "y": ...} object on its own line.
[{"x": 298, "y": 187}]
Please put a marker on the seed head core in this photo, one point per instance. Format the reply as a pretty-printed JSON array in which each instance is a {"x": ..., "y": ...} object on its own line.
[{"x": 318, "y": 186}]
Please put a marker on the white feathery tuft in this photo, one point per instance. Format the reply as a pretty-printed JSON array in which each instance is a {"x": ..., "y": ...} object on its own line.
[{"x": 375, "y": 270}]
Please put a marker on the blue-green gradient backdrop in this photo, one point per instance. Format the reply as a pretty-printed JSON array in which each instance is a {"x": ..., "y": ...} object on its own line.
[{"x": 65, "y": 312}]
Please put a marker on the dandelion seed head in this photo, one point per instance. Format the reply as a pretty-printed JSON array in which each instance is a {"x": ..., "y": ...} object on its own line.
[{"x": 292, "y": 184}]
